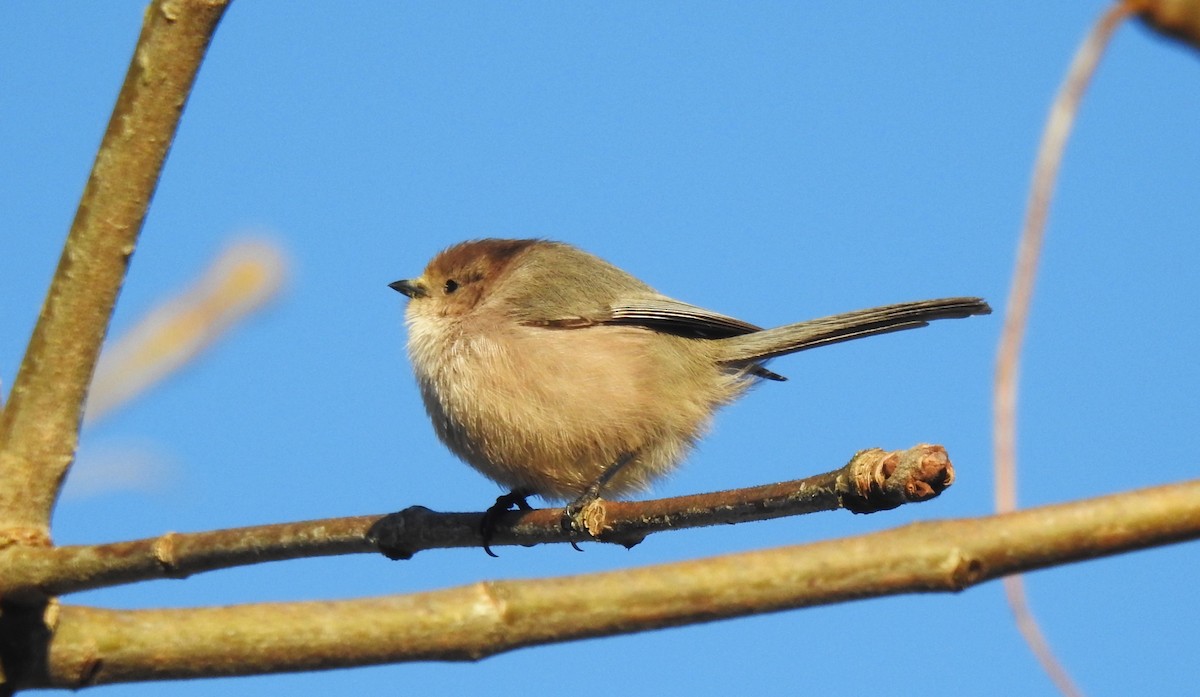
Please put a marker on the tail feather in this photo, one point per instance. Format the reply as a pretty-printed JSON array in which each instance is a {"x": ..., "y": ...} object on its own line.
[{"x": 844, "y": 327}]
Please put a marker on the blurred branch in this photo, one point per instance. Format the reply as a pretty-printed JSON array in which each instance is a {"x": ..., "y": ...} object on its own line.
[
  {"x": 243, "y": 278},
  {"x": 873, "y": 480},
  {"x": 87, "y": 646},
  {"x": 1004, "y": 429},
  {"x": 1178, "y": 19},
  {"x": 39, "y": 426}
]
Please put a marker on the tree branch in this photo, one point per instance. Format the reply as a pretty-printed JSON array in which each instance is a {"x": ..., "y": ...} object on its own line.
[
  {"x": 39, "y": 426},
  {"x": 873, "y": 480},
  {"x": 1177, "y": 19},
  {"x": 87, "y": 646}
]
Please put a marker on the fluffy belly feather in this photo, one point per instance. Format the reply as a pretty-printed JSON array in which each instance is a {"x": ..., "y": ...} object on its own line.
[{"x": 548, "y": 410}]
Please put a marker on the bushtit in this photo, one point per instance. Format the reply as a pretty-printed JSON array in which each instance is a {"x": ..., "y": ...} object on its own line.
[{"x": 556, "y": 373}]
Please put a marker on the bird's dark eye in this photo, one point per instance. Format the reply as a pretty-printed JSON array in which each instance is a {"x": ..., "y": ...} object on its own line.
[{"x": 450, "y": 287}]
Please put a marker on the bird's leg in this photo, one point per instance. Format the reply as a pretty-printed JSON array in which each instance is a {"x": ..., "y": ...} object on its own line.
[
  {"x": 503, "y": 504},
  {"x": 572, "y": 520}
]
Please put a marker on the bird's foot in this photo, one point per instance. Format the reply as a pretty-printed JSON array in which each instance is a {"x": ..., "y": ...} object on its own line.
[
  {"x": 504, "y": 504},
  {"x": 573, "y": 522}
]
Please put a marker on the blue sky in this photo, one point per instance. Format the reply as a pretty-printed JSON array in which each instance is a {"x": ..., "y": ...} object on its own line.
[{"x": 773, "y": 161}]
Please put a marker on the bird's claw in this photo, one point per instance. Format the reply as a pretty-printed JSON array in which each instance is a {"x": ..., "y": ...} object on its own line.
[
  {"x": 504, "y": 504},
  {"x": 573, "y": 523}
]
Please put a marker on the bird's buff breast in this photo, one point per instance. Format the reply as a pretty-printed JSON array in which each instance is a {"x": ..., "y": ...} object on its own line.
[{"x": 548, "y": 410}]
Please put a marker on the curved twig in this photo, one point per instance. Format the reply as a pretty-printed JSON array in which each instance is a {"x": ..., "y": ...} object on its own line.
[{"x": 1004, "y": 404}]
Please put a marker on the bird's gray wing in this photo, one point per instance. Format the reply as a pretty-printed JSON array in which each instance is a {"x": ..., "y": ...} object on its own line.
[
  {"x": 660, "y": 314},
  {"x": 674, "y": 317}
]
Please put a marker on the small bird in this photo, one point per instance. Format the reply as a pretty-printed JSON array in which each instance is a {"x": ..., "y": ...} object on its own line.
[{"x": 555, "y": 373}]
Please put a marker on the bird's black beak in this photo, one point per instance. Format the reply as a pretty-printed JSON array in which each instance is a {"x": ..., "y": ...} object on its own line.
[{"x": 412, "y": 289}]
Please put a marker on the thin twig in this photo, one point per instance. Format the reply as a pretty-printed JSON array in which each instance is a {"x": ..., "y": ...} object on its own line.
[
  {"x": 1045, "y": 174},
  {"x": 86, "y": 646},
  {"x": 39, "y": 426},
  {"x": 873, "y": 480}
]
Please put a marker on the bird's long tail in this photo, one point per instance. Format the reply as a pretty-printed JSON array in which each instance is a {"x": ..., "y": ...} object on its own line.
[{"x": 801, "y": 336}]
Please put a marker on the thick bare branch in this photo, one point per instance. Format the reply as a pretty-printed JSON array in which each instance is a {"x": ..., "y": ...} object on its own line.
[
  {"x": 39, "y": 426},
  {"x": 85, "y": 646},
  {"x": 873, "y": 480}
]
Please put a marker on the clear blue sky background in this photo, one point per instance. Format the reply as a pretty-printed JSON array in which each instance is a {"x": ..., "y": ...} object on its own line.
[{"x": 774, "y": 161}]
